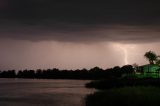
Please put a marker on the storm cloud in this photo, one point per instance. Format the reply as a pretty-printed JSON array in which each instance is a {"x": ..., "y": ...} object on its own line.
[
  {"x": 108, "y": 12},
  {"x": 116, "y": 20},
  {"x": 77, "y": 34}
]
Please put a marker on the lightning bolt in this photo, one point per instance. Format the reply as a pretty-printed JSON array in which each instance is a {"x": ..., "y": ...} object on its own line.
[
  {"x": 125, "y": 52},
  {"x": 125, "y": 55}
]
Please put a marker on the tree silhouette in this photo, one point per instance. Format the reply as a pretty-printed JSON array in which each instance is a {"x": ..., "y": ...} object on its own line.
[
  {"x": 127, "y": 69},
  {"x": 151, "y": 57}
]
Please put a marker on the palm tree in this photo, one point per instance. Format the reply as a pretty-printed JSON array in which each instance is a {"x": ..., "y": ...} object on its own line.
[{"x": 151, "y": 57}]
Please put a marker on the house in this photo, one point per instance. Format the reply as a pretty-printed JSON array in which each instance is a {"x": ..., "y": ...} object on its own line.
[{"x": 148, "y": 71}]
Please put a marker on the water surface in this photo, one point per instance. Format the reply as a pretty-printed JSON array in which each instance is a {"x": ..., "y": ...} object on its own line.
[{"x": 42, "y": 92}]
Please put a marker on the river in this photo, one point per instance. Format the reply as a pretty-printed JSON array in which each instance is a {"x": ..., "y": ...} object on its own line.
[{"x": 43, "y": 92}]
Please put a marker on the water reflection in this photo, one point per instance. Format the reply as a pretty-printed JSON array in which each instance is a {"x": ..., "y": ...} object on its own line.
[{"x": 33, "y": 92}]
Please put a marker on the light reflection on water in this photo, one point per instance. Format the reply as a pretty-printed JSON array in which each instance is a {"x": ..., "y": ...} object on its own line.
[{"x": 40, "y": 92}]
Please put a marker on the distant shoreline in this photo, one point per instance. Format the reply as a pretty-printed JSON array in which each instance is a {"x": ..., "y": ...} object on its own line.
[{"x": 95, "y": 73}]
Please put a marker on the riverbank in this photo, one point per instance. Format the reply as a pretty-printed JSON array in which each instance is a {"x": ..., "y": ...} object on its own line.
[
  {"x": 126, "y": 96},
  {"x": 128, "y": 92}
]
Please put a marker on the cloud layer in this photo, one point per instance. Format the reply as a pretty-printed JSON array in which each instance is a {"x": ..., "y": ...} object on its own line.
[
  {"x": 116, "y": 20},
  {"x": 108, "y": 12},
  {"x": 83, "y": 34}
]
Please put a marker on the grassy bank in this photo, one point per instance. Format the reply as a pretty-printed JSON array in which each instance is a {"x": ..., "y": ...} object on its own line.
[{"x": 126, "y": 96}]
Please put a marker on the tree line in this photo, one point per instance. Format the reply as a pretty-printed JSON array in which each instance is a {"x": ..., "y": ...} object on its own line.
[{"x": 93, "y": 73}]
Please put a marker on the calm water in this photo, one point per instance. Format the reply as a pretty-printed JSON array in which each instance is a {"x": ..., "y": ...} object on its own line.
[{"x": 34, "y": 92}]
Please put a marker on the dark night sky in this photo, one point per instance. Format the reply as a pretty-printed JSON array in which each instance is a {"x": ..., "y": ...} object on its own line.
[{"x": 47, "y": 33}]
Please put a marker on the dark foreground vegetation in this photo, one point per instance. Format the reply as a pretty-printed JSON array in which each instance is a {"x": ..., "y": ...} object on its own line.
[
  {"x": 125, "y": 92},
  {"x": 93, "y": 73},
  {"x": 126, "y": 96}
]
